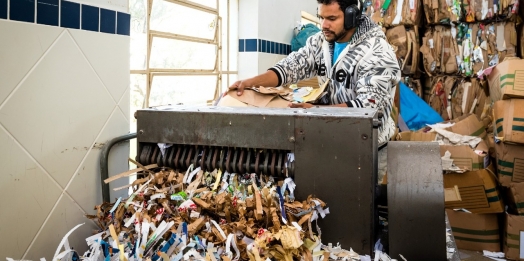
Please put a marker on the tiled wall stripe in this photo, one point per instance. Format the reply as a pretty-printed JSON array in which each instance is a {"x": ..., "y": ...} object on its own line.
[
  {"x": 66, "y": 14},
  {"x": 3, "y": 9},
  {"x": 263, "y": 46}
]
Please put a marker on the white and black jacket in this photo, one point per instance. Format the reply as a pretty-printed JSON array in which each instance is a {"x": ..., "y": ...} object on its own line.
[{"x": 363, "y": 75}]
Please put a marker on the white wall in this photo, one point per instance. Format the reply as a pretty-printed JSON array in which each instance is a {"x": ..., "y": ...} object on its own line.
[
  {"x": 247, "y": 29},
  {"x": 63, "y": 94},
  {"x": 271, "y": 20},
  {"x": 277, "y": 18}
]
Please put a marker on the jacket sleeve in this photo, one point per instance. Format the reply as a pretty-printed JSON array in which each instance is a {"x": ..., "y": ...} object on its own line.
[
  {"x": 299, "y": 65},
  {"x": 378, "y": 71}
]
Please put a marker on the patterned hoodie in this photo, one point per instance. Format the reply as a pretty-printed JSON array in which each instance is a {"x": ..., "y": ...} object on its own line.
[{"x": 363, "y": 75}]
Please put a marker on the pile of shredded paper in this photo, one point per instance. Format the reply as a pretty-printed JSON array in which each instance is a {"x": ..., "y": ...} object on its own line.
[{"x": 200, "y": 215}]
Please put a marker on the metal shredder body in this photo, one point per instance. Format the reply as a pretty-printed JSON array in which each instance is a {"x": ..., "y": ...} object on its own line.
[{"x": 335, "y": 155}]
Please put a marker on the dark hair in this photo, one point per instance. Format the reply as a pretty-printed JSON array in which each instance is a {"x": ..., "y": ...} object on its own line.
[{"x": 342, "y": 3}]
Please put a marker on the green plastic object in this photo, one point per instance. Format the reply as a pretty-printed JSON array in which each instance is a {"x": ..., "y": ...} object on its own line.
[{"x": 386, "y": 4}]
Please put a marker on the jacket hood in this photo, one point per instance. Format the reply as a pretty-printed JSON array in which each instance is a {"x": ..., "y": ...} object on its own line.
[{"x": 366, "y": 30}]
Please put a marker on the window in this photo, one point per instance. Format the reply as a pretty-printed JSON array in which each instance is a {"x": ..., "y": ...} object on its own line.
[
  {"x": 177, "y": 46},
  {"x": 182, "y": 51}
]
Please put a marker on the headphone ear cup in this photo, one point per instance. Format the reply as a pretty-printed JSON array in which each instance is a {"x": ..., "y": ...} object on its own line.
[{"x": 351, "y": 17}]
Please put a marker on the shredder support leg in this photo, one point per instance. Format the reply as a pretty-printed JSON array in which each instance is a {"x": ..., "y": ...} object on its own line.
[{"x": 417, "y": 227}]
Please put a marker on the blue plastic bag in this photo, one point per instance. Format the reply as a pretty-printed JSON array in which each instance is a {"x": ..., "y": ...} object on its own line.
[
  {"x": 300, "y": 39},
  {"x": 415, "y": 111}
]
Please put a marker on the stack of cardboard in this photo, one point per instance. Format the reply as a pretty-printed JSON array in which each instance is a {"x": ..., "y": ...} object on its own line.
[
  {"x": 507, "y": 92},
  {"x": 463, "y": 42},
  {"x": 453, "y": 97},
  {"x": 467, "y": 49},
  {"x": 486, "y": 10},
  {"x": 400, "y": 21},
  {"x": 455, "y": 58}
]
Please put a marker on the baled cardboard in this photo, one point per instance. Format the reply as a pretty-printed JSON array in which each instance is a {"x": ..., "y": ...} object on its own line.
[
  {"x": 513, "y": 241},
  {"x": 468, "y": 125},
  {"x": 509, "y": 120},
  {"x": 478, "y": 191},
  {"x": 475, "y": 232},
  {"x": 506, "y": 81},
  {"x": 510, "y": 163},
  {"x": 464, "y": 157}
]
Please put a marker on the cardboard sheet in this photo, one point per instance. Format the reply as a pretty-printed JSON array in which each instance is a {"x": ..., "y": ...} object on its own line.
[
  {"x": 252, "y": 98},
  {"x": 468, "y": 125},
  {"x": 416, "y": 136},
  {"x": 317, "y": 93}
]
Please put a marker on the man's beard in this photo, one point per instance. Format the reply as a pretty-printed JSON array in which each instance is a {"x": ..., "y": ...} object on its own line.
[{"x": 336, "y": 37}]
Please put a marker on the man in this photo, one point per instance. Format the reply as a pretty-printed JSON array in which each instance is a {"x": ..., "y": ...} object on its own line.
[{"x": 352, "y": 53}]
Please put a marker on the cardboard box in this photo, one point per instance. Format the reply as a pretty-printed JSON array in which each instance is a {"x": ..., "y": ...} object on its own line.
[
  {"x": 506, "y": 81},
  {"x": 490, "y": 142},
  {"x": 477, "y": 189},
  {"x": 464, "y": 157},
  {"x": 416, "y": 136},
  {"x": 517, "y": 197},
  {"x": 510, "y": 163},
  {"x": 468, "y": 125},
  {"x": 514, "y": 237},
  {"x": 509, "y": 120},
  {"x": 475, "y": 232}
]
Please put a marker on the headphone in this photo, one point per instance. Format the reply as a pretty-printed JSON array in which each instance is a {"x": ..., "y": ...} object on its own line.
[{"x": 352, "y": 16}]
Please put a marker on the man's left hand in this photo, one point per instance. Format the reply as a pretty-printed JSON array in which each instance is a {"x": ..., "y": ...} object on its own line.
[{"x": 300, "y": 105}]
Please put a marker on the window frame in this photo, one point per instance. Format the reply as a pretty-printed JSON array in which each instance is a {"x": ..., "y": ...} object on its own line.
[{"x": 217, "y": 40}]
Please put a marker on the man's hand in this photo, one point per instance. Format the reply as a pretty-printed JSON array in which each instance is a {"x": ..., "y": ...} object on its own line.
[
  {"x": 267, "y": 79},
  {"x": 239, "y": 86},
  {"x": 300, "y": 105}
]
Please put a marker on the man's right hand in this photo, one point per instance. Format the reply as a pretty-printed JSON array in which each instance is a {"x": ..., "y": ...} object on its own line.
[
  {"x": 267, "y": 79},
  {"x": 239, "y": 86}
]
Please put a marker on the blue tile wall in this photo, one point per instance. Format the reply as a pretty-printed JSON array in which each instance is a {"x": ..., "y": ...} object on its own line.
[
  {"x": 263, "y": 46},
  {"x": 22, "y": 10},
  {"x": 66, "y": 14},
  {"x": 3, "y": 9},
  {"x": 123, "y": 23},
  {"x": 107, "y": 21},
  {"x": 90, "y": 18},
  {"x": 70, "y": 15},
  {"x": 47, "y": 12},
  {"x": 241, "y": 45},
  {"x": 251, "y": 45}
]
